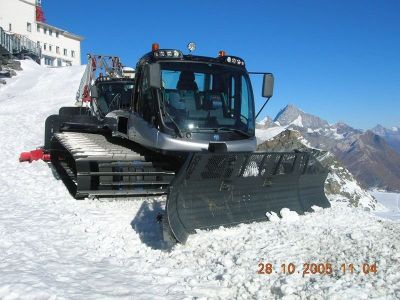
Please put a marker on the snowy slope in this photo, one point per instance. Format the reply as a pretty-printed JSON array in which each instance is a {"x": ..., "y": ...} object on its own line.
[
  {"x": 52, "y": 246},
  {"x": 391, "y": 201}
]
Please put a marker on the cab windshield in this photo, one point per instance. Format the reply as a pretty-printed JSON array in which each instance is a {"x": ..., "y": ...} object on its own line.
[
  {"x": 114, "y": 95},
  {"x": 204, "y": 96}
]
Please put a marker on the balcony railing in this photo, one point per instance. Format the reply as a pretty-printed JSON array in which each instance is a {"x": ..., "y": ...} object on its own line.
[
  {"x": 6, "y": 41},
  {"x": 16, "y": 44}
]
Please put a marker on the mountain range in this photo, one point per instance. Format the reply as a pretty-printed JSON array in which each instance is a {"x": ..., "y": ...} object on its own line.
[{"x": 372, "y": 156}]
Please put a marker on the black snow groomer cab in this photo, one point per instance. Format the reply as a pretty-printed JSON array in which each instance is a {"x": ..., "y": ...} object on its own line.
[{"x": 194, "y": 103}]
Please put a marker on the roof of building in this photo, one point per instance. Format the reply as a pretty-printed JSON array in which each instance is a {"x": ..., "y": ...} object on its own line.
[{"x": 64, "y": 32}]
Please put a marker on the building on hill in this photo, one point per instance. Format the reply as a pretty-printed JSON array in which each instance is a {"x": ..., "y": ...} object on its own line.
[{"x": 25, "y": 17}]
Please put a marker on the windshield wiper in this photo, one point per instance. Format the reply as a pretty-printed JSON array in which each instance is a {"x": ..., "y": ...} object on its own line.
[
  {"x": 177, "y": 129},
  {"x": 244, "y": 133}
]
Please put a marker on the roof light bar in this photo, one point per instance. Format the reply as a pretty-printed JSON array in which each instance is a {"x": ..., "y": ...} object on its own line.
[
  {"x": 167, "y": 53},
  {"x": 234, "y": 60}
]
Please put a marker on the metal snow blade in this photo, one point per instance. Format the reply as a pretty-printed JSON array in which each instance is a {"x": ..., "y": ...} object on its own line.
[{"x": 225, "y": 189}]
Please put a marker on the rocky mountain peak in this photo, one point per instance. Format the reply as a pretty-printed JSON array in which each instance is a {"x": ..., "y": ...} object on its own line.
[
  {"x": 392, "y": 136},
  {"x": 287, "y": 115},
  {"x": 346, "y": 130},
  {"x": 264, "y": 123},
  {"x": 379, "y": 129},
  {"x": 291, "y": 115}
]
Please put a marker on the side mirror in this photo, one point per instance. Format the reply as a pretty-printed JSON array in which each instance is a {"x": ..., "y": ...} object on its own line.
[
  {"x": 94, "y": 93},
  {"x": 268, "y": 86},
  {"x": 153, "y": 74}
]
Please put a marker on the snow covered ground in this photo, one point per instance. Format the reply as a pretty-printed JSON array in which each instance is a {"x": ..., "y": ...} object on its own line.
[
  {"x": 54, "y": 247},
  {"x": 391, "y": 201}
]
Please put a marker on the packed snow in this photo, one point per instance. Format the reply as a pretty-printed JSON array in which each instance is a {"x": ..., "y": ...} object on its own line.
[{"x": 54, "y": 247}]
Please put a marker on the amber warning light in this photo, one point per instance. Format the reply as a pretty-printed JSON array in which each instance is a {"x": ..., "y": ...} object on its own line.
[
  {"x": 155, "y": 47},
  {"x": 221, "y": 53}
]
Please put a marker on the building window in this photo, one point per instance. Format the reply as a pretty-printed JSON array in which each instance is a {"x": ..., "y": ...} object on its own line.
[
  {"x": 56, "y": 33},
  {"x": 50, "y": 48},
  {"x": 72, "y": 53},
  {"x": 65, "y": 52},
  {"x": 38, "y": 43},
  {"x": 29, "y": 27},
  {"x": 9, "y": 27},
  {"x": 50, "y": 32},
  {"x": 48, "y": 61},
  {"x": 58, "y": 50},
  {"x": 45, "y": 30},
  {"x": 44, "y": 46},
  {"x": 38, "y": 28}
]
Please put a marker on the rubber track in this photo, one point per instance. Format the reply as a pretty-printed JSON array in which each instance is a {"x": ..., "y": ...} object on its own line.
[{"x": 89, "y": 164}]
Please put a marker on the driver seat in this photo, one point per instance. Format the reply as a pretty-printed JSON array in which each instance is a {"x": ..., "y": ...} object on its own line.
[{"x": 186, "y": 81}]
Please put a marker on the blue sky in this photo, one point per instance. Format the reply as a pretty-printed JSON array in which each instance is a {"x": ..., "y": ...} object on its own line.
[{"x": 339, "y": 60}]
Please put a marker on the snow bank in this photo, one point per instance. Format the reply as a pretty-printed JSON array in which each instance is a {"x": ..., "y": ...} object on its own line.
[{"x": 52, "y": 246}]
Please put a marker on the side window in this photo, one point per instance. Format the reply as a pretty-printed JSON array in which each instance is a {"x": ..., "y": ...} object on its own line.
[
  {"x": 199, "y": 78},
  {"x": 146, "y": 103},
  {"x": 144, "y": 84},
  {"x": 232, "y": 94},
  {"x": 247, "y": 104},
  {"x": 244, "y": 109},
  {"x": 141, "y": 90}
]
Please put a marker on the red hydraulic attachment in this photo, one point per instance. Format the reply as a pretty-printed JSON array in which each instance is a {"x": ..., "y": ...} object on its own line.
[
  {"x": 112, "y": 67},
  {"x": 86, "y": 96},
  {"x": 34, "y": 155}
]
